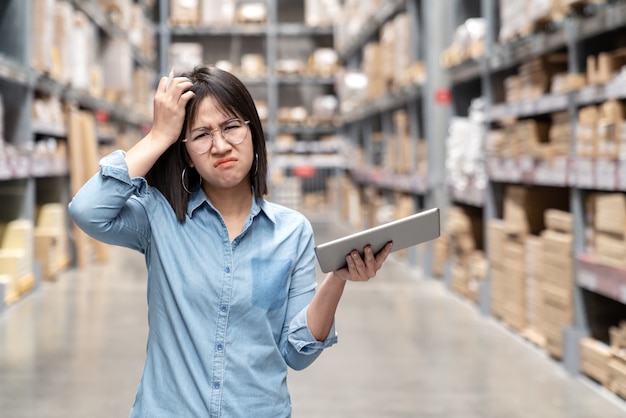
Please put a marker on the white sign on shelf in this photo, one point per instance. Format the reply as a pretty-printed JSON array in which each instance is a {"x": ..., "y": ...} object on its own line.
[
  {"x": 622, "y": 294},
  {"x": 605, "y": 174},
  {"x": 587, "y": 279},
  {"x": 584, "y": 173},
  {"x": 621, "y": 175}
]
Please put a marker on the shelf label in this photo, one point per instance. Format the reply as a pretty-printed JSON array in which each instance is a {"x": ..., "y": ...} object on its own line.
[
  {"x": 605, "y": 174},
  {"x": 616, "y": 89},
  {"x": 587, "y": 279},
  {"x": 5, "y": 169},
  {"x": 584, "y": 173},
  {"x": 590, "y": 94},
  {"x": 621, "y": 175},
  {"x": 527, "y": 108},
  {"x": 622, "y": 294},
  {"x": 443, "y": 96}
]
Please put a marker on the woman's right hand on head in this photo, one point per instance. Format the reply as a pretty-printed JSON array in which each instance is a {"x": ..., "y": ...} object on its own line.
[{"x": 170, "y": 100}]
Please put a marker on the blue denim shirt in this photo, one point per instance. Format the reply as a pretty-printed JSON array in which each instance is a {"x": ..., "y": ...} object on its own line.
[{"x": 226, "y": 319}]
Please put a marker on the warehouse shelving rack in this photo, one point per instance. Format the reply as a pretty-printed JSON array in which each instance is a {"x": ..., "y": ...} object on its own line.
[
  {"x": 593, "y": 284},
  {"x": 25, "y": 180},
  {"x": 427, "y": 117},
  {"x": 275, "y": 39}
]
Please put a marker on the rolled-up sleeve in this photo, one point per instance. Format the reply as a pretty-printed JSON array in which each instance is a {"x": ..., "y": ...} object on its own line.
[
  {"x": 302, "y": 347},
  {"x": 108, "y": 207}
]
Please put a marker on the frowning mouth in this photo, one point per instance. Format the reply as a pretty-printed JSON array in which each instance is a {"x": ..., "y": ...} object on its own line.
[{"x": 225, "y": 162}]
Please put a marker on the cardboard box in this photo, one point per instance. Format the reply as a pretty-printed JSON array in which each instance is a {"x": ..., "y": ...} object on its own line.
[
  {"x": 184, "y": 56},
  {"x": 610, "y": 213},
  {"x": 217, "y": 12},
  {"x": 184, "y": 12},
  {"x": 558, "y": 220}
]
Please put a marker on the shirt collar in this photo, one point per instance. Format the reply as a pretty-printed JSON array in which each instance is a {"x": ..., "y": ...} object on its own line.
[{"x": 198, "y": 198}]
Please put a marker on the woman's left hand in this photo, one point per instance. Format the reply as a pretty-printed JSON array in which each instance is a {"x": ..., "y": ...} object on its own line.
[{"x": 361, "y": 269}]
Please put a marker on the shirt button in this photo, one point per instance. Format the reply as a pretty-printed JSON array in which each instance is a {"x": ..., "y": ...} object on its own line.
[
  {"x": 227, "y": 269},
  {"x": 216, "y": 385},
  {"x": 219, "y": 347},
  {"x": 224, "y": 308}
]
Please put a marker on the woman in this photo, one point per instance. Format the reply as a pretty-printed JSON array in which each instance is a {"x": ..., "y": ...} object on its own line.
[{"x": 231, "y": 277}]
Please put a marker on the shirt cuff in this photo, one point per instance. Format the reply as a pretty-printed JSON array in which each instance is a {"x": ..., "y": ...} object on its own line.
[
  {"x": 114, "y": 166},
  {"x": 303, "y": 341}
]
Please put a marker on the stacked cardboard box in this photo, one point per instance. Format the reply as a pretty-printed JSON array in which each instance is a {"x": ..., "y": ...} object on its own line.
[
  {"x": 374, "y": 69},
  {"x": 51, "y": 240},
  {"x": 117, "y": 70},
  {"x": 601, "y": 131},
  {"x": 616, "y": 376},
  {"x": 521, "y": 18},
  {"x": 609, "y": 221},
  {"x": 534, "y": 137},
  {"x": 468, "y": 260},
  {"x": 401, "y": 155},
  {"x": 557, "y": 284},
  {"x": 321, "y": 13},
  {"x": 534, "y": 280},
  {"x": 587, "y": 132},
  {"x": 468, "y": 43},
  {"x": 217, "y": 12},
  {"x": 594, "y": 359},
  {"x": 496, "y": 238},
  {"x": 513, "y": 20},
  {"x": 185, "y": 55},
  {"x": 65, "y": 46},
  {"x": 603, "y": 67},
  {"x": 42, "y": 29},
  {"x": 441, "y": 254},
  {"x": 560, "y": 134},
  {"x": 524, "y": 210},
  {"x": 184, "y": 12},
  {"x": 534, "y": 78},
  {"x": 16, "y": 258},
  {"x": 389, "y": 63},
  {"x": 611, "y": 138},
  {"x": 351, "y": 19}
]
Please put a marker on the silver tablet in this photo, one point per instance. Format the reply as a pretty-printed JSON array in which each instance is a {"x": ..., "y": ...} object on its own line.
[{"x": 405, "y": 232}]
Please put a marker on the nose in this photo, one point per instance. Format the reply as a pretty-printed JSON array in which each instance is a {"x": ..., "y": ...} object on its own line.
[{"x": 220, "y": 144}]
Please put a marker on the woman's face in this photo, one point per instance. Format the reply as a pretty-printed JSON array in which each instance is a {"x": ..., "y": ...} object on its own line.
[{"x": 225, "y": 165}]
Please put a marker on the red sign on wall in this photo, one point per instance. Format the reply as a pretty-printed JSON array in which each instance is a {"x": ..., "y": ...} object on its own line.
[{"x": 443, "y": 96}]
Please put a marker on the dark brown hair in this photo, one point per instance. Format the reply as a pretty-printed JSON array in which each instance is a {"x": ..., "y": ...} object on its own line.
[{"x": 231, "y": 94}]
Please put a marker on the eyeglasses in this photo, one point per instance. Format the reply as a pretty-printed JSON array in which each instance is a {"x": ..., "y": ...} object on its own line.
[{"x": 233, "y": 131}]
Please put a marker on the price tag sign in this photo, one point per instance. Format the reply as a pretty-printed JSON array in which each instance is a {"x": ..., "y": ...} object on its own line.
[
  {"x": 527, "y": 108},
  {"x": 560, "y": 170},
  {"x": 605, "y": 174},
  {"x": 512, "y": 170},
  {"x": 587, "y": 279},
  {"x": 584, "y": 173},
  {"x": 588, "y": 94},
  {"x": 493, "y": 167},
  {"x": 5, "y": 169},
  {"x": 621, "y": 175},
  {"x": 21, "y": 166},
  {"x": 527, "y": 163}
]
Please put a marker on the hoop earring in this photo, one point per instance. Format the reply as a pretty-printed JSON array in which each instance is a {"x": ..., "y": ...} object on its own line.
[
  {"x": 182, "y": 178},
  {"x": 256, "y": 164}
]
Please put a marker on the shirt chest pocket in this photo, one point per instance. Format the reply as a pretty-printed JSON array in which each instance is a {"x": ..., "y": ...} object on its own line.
[{"x": 270, "y": 282}]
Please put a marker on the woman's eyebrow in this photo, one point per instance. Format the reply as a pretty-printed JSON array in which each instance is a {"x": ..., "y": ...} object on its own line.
[{"x": 218, "y": 126}]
